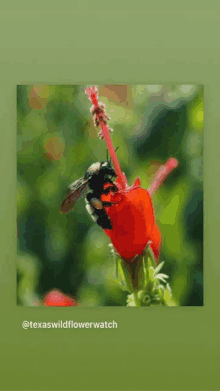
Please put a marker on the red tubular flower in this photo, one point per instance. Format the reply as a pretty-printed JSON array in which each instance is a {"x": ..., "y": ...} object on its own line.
[
  {"x": 56, "y": 298},
  {"x": 133, "y": 222},
  {"x": 131, "y": 212}
]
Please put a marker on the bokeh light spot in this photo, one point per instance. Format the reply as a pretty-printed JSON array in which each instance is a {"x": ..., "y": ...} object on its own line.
[
  {"x": 54, "y": 147},
  {"x": 198, "y": 115},
  {"x": 38, "y": 96}
]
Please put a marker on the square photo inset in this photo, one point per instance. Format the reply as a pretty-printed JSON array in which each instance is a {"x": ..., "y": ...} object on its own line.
[{"x": 110, "y": 195}]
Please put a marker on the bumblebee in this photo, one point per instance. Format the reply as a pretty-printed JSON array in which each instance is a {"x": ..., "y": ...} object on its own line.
[{"x": 97, "y": 181}]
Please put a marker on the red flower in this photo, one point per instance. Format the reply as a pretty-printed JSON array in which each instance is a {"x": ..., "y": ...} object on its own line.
[
  {"x": 132, "y": 214},
  {"x": 56, "y": 298},
  {"x": 133, "y": 223}
]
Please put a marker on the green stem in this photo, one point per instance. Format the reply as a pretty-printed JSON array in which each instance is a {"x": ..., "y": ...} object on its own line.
[{"x": 136, "y": 300}]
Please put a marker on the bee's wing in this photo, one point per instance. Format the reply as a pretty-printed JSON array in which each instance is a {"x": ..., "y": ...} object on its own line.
[{"x": 76, "y": 190}]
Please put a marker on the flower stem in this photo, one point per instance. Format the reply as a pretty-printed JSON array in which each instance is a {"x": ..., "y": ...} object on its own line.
[{"x": 136, "y": 299}]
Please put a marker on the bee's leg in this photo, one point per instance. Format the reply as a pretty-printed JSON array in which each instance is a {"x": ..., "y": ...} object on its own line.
[
  {"x": 91, "y": 210},
  {"x": 96, "y": 203}
]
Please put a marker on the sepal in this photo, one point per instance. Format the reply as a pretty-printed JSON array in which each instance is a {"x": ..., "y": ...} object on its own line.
[{"x": 142, "y": 279}]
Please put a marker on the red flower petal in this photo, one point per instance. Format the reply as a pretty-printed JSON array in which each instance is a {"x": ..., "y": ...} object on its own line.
[
  {"x": 132, "y": 220},
  {"x": 156, "y": 241},
  {"x": 56, "y": 298}
]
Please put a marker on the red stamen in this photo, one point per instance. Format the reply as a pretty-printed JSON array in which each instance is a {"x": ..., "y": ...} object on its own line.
[{"x": 102, "y": 120}]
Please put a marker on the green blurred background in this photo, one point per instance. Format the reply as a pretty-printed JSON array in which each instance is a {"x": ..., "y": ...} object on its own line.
[{"x": 57, "y": 142}]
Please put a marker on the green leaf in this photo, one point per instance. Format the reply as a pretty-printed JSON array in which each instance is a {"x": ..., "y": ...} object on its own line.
[
  {"x": 161, "y": 277},
  {"x": 158, "y": 268},
  {"x": 151, "y": 273}
]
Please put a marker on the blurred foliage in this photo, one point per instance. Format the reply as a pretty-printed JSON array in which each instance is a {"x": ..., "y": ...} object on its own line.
[{"x": 57, "y": 142}]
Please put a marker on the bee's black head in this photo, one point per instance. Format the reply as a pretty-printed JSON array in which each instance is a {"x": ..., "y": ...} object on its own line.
[
  {"x": 100, "y": 169},
  {"x": 98, "y": 174},
  {"x": 107, "y": 169}
]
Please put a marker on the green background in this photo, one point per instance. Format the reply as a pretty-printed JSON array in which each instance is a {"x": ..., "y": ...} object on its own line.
[{"x": 115, "y": 42}]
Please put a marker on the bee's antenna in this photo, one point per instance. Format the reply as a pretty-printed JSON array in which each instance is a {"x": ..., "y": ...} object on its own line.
[{"x": 110, "y": 158}]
